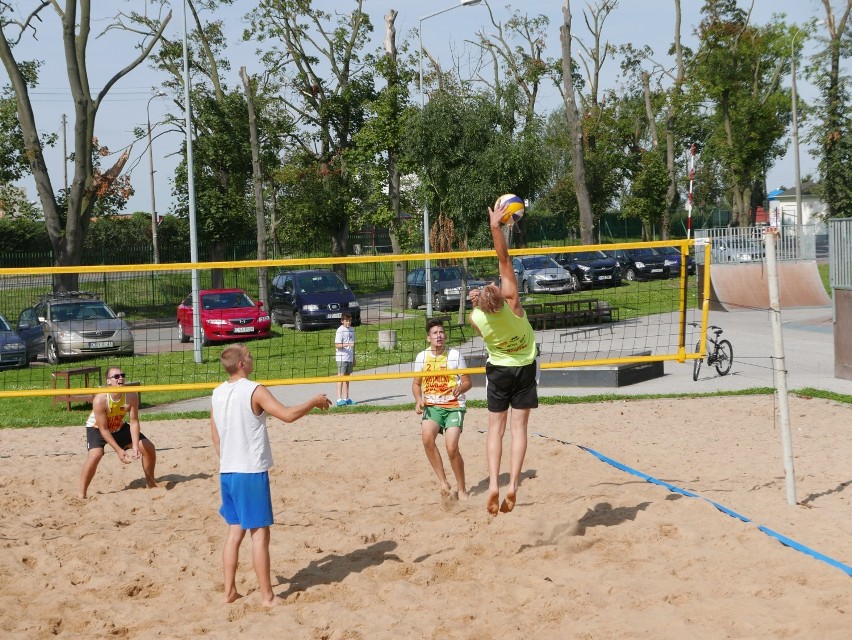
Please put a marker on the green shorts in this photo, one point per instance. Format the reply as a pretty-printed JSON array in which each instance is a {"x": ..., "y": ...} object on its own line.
[{"x": 444, "y": 418}]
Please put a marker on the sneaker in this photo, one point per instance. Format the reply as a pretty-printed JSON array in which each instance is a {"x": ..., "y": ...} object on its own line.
[
  {"x": 349, "y": 401},
  {"x": 341, "y": 403}
]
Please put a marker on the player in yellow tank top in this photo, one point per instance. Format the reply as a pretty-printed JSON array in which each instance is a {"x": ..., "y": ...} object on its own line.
[
  {"x": 510, "y": 371},
  {"x": 441, "y": 402},
  {"x": 114, "y": 422}
]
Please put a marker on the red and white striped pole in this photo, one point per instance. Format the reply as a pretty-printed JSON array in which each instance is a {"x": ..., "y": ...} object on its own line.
[{"x": 689, "y": 196}]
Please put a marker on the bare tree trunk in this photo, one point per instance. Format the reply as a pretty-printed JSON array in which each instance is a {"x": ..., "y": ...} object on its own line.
[
  {"x": 262, "y": 285},
  {"x": 399, "y": 266},
  {"x": 675, "y": 92},
  {"x": 577, "y": 154}
]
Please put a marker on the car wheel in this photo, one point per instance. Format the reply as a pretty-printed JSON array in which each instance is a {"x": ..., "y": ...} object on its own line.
[
  {"x": 412, "y": 303},
  {"x": 181, "y": 336},
  {"x": 205, "y": 341},
  {"x": 436, "y": 303},
  {"x": 575, "y": 281},
  {"x": 526, "y": 286},
  {"x": 298, "y": 322},
  {"x": 51, "y": 352},
  {"x": 276, "y": 319},
  {"x": 631, "y": 275}
]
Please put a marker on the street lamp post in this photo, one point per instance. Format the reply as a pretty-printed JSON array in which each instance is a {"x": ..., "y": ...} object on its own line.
[
  {"x": 796, "y": 144},
  {"x": 190, "y": 189},
  {"x": 426, "y": 248},
  {"x": 159, "y": 94}
]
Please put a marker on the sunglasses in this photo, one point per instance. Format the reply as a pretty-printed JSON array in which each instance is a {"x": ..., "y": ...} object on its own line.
[{"x": 117, "y": 376}]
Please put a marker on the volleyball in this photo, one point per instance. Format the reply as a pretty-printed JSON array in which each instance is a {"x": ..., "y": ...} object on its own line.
[{"x": 514, "y": 207}]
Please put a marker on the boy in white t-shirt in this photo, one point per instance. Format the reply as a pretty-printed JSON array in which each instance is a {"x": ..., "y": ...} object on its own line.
[
  {"x": 441, "y": 401},
  {"x": 344, "y": 342}
]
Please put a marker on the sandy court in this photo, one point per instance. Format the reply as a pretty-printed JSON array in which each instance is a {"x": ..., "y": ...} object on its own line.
[{"x": 365, "y": 547}]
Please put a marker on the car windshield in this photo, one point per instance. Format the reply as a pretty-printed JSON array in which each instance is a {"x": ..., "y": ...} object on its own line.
[
  {"x": 643, "y": 253},
  {"x": 4, "y": 326},
  {"x": 443, "y": 274},
  {"x": 320, "y": 283},
  {"x": 226, "y": 300},
  {"x": 87, "y": 311},
  {"x": 539, "y": 262},
  {"x": 669, "y": 251},
  {"x": 588, "y": 255}
]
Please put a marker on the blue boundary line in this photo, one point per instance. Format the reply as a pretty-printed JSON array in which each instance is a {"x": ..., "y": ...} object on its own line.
[{"x": 788, "y": 542}]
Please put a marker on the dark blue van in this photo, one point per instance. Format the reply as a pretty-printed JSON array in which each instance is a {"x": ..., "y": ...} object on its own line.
[{"x": 311, "y": 298}]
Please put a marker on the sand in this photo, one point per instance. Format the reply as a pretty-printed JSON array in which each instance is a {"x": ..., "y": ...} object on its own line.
[{"x": 365, "y": 547}]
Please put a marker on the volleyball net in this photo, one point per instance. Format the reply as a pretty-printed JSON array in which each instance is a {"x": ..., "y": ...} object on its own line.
[{"x": 587, "y": 308}]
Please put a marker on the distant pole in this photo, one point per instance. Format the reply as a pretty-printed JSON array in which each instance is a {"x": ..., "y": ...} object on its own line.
[
  {"x": 797, "y": 169},
  {"x": 151, "y": 163},
  {"x": 190, "y": 185},
  {"x": 689, "y": 196},
  {"x": 780, "y": 365},
  {"x": 65, "y": 152}
]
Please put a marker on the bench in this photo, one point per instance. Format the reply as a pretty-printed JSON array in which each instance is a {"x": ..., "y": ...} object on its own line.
[
  {"x": 68, "y": 375},
  {"x": 571, "y": 313}
]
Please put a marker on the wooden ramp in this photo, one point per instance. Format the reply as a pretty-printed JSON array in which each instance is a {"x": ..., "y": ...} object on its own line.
[{"x": 744, "y": 286}]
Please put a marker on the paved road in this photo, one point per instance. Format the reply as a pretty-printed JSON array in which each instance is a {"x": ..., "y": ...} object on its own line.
[{"x": 808, "y": 342}]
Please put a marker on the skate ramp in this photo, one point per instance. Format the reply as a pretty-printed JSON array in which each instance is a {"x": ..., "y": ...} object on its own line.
[{"x": 744, "y": 286}]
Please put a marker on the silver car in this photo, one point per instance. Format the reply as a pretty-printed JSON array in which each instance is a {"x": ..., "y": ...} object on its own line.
[
  {"x": 73, "y": 325},
  {"x": 541, "y": 274},
  {"x": 737, "y": 249}
]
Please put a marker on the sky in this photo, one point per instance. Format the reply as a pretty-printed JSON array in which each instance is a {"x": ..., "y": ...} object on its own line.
[{"x": 639, "y": 22}]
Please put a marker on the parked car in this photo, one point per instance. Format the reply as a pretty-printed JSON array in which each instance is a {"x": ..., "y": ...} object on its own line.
[
  {"x": 13, "y": 349},
  {"x": 446, "y": 287},
  {"x": 673, "y": 257},
  {"x": 736, "y": 249},
  {"x": 312, "y": 298},
  {"x": 226, "y": 314},
  {"x": 643, "y": 263},
  {"x": 77, "y": 324},
  {"x": 590, "y": 268},
  {"x": 541, "y": 274}
]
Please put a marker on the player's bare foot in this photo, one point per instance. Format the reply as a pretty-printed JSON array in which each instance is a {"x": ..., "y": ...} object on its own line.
[
  {"x": 274, "y": 602},
  {"x": 233, "y": 596},
  {"x": 151, "y": 484},
  {"x": 493, "y": 501},
  {"x": 462, "y": 495},
  {"x": 508, "y": 502}
]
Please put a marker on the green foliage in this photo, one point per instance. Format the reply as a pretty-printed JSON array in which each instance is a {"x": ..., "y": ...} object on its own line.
[
  {"x": 738, "y": 70},
  {"x": 647, "y": 197}
]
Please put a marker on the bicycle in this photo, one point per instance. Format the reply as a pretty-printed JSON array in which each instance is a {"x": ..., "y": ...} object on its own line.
[{"x": 719, "y": 353}]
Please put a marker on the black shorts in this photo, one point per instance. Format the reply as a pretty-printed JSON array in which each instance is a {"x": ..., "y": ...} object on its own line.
[
  {"x": 511, "y": 386},
  {"x": 94, "y": 439}
]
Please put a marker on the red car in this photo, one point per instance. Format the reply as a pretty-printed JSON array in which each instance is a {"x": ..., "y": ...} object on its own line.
[{"x": 226, "y": 314}]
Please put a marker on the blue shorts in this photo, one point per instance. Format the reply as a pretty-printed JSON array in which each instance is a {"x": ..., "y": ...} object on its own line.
[{"x": 246, "y": 499}]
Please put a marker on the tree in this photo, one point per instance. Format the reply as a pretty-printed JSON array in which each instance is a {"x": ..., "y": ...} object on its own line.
[
  {"x": 833, "y": 132},
  {"x": 68, "y": 224},
  {"x": 222, "y": 155},
  {"x": 738, "y": 70},
  {"x": 578, "y": 156},
  {"x": 377, "y": 157},
  {"x": 329, "y": 90}
]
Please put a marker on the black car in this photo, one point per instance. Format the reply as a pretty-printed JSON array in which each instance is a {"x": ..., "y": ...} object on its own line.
[
  {"x": 311, "y": 298},
  {"x": 643, "y": 263},
  {"x": 13, "y": 349},
  {"x": 590, "y": 268},
  {"x": 674, "y": 256},
  {"x": 446, "y": 287}
]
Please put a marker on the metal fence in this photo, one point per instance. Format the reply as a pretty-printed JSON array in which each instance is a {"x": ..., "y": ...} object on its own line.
[
  {"x": 840, "y": 253},
  {"x": 745, "y": 244}
]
